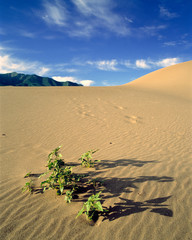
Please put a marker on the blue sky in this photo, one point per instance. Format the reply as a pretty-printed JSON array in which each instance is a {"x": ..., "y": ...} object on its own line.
[{"x": 94, "y": 42}]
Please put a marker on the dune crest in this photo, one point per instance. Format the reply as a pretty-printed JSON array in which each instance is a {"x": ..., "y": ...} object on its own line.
[{"x": 173, "y": 80}]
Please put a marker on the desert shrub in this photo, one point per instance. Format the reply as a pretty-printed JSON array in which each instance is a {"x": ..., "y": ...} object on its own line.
[
  {"x": 64, "y": 181},
  {"x": 86, "y": 159},
  {"x": 92, "y": 207}
]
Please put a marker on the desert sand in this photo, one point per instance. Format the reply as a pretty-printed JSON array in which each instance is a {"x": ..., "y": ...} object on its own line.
[{"x": 143, "y": 133}]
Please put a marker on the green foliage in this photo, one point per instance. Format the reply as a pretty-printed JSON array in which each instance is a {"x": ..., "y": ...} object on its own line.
[
  {"x": 64, "y": 181},
  {"x": 55, "y": 160},
  {"x": 69, "y": 196},
  {"x": 27, "y": 175},
  {"x": 91, "y": 207},
  {"x": 86, "y": 159},
  {"x": 28, "y": 186},
  {"x": 61, "y": 176}
]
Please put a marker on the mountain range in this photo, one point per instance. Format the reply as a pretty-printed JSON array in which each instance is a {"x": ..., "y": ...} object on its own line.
[{"x": 19, "y": 79}]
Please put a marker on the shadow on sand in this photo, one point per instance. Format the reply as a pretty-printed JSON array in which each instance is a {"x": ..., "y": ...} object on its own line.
[
  {"x": 106, "y": 164},
  {"x": 128, "y": 207},
  {"x": 115, "y": 187}
]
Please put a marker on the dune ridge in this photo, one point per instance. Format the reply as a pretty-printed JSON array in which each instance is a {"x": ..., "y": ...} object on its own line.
[{"x": 144, "y": 142}]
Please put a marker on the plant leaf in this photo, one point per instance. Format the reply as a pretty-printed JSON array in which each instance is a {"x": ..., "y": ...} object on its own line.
[
  {"x": 99, "y": 206},
  {"x": 80, "y": 212}
]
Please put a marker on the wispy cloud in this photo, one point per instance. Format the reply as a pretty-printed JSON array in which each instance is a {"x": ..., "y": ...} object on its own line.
[
  {"x": 184, "y": 40},
  {"x": 164, "y": 12},
  {"x": 105, "y": 65},
  {"x": 84, "y": 17},
  {"x": 170, "y": 43},
  {"x": 43, "y": 71},
  {"x": 152, "y": 30},
  {"x": 27, "y": 34},
  {"x": 54, "y": 13},
  {"x": 102, "y": 14},
  {"x": 73, "y": 79}
]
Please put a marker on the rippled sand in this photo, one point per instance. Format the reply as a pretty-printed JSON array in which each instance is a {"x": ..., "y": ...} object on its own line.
[{"x": 143, "y": 133}]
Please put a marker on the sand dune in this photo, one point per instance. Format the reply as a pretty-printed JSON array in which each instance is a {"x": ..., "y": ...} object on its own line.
[
  {"x": 143, "y": 134},
  {"x": 173, "y": 80}
]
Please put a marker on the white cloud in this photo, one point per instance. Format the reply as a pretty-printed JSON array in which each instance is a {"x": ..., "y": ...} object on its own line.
[
  {"x": 64, "y": 79},
  {"x": 111, "y": 65},
  {"x": 148, "y": 64},
  {"x": 10, "y": 64},
  {"x": 43, "y": 70},
  {"x": 127, "y": 63},
  {"x": 84, "y": 17},
  {"x": 145, "y": 64},
  {"x": 72, "y": 79},
  {"x": 87, "y": 83},
  {"x": 166, "y": 13},
  {"x": 141, "y": 63},
  {"x": 167, "y": 62},
  {"x": 105, "y": 65}
]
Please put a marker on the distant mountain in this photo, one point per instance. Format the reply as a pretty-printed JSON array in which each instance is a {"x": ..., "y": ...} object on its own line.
[{"x": 18, "y": 79}]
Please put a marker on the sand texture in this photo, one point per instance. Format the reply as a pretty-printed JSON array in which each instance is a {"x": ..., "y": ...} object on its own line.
[{"x": 143, "y": 133}]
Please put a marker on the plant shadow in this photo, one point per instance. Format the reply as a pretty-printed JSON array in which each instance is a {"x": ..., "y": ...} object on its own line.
[
  {"x": 128, "y": 207},
  {"x": 35, "y": 175},
  {"x": 123, "y": 163},
  {"x": 116, "y": 186}
]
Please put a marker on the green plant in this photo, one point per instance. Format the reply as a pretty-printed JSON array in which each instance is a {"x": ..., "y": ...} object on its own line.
[
  {"x": 64, "y": 181},
  {"x": 27, "y": 175},
  {"x": 28, "y": 186},
  {"x": 61, "y": 176},
  {"x": 86, "y": 159},
  {"x": 69, "y": 196},
  {"x": 55, "y": 160},
  {"x": 91, "y": 207}
]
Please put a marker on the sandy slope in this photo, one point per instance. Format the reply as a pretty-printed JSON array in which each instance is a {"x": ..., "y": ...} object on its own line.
[
  {"x": 174, "y": 80},
  {"x": 144, "y": 137}
]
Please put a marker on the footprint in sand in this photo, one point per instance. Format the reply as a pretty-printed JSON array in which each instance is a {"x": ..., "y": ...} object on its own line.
[
  {"x": 133, "y": 119},
  {"x": 119, "y": 107}
]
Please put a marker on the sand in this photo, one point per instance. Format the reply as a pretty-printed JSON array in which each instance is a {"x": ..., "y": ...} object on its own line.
[{"x": 143, "y": 133}]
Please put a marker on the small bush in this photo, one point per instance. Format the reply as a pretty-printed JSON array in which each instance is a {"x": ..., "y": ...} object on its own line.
[
  {"x": 64, "y": 181},
  {"x": 86, "y": 159},
  {"x": 92, "y": 207},
  {"x": 28, "y": 186}
]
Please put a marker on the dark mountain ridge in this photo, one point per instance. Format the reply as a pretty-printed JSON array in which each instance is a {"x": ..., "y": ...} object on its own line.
[{"x": 19, "y": 79}]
